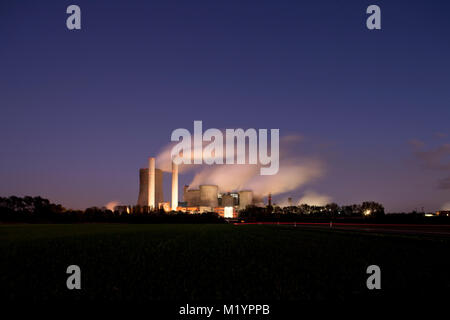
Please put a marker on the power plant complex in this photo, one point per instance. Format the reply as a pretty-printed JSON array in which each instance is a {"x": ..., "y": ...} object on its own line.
[{"x": 206, "y": 198}]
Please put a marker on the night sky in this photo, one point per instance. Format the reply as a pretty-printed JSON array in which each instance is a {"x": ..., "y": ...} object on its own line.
[{"x": 82, "y": 110}]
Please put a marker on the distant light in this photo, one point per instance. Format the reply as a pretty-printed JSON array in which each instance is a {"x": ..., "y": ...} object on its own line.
[
  {"x": 228, "y": 212},
  {"x": 367, "y": 212}
]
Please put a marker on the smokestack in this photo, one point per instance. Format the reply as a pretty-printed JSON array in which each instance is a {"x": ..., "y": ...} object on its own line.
[
  {"x": 174, "y": 186},
  {"x": 151, "y": 183},
  {"x": 269, "y": 199}
]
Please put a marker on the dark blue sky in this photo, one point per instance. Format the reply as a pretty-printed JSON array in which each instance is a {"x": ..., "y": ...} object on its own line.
[{"x": 82, "y": 110}]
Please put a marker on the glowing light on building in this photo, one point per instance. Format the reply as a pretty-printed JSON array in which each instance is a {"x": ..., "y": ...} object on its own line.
[{"x": 228, "y": 212}]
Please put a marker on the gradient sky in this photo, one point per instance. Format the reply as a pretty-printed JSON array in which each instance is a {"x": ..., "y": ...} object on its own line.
[{"x": 82, "y": 110}]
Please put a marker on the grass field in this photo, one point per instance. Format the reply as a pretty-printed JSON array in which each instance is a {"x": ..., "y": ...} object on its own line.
[{"x": 215, "y": 262}]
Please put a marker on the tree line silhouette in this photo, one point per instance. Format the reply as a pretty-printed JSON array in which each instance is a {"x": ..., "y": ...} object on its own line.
[{"x": 40, "y": 210}]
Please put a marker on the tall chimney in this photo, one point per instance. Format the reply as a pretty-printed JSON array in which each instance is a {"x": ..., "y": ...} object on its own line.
[
  {"x": 151, "y": 183},
  {"x": 174, "y": 186}
]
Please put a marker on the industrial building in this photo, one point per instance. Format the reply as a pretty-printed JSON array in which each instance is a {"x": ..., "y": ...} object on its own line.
[
  {"x": 206, "y": 198},
  {"x": 209, "y": 196}
]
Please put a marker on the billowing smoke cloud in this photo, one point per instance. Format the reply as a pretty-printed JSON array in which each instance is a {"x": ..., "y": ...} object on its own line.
[
  {"x": 227, "y": 177},
  {"x": 110, "y": 205},
  {"x": 293, "y": 174},
  {"x": 295, "y": 171},
  {"x": 164, "y": 159},
  {"x": 314, "y": 199}
]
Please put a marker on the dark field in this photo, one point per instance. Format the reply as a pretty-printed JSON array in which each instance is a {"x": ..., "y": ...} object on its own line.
[{"x": 217, "y": 262}]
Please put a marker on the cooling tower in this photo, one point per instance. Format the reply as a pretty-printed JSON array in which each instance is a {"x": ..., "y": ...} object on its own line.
[
  {"x": 192, "y": 197},
  {"x": 151, "y": 182},
  {"x": 208, "y": 196},
  {"x": 174, "y": 186},
  {"x": 144, "y": 187},
  {"x": 245, "y": 199},
  {"x": 227, "y": 200}
]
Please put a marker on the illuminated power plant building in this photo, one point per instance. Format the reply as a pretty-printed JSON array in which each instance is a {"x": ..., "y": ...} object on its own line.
[{"x": 206, "y": 198}]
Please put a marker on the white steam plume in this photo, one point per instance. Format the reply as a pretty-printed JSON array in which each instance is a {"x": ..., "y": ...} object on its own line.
[
  {"x": 314, "y": 199},
  {"x": 295, "y": 171},
  {"x": 293, "y": 174},
  {"x": 110, "y": 205}
]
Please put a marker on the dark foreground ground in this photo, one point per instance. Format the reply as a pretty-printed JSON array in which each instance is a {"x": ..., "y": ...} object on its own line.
[{"x": 256, "y": 263}]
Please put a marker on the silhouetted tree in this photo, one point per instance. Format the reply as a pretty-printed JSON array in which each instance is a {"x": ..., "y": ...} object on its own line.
[{"x": 370, "y": 208}]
